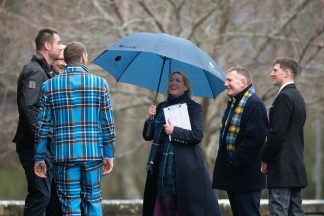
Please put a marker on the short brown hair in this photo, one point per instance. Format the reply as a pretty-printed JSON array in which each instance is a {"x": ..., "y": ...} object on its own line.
[
  {"x": 44, "y": 35},
  {"x": 244, "y": 72},
  {"x": 73, "y": 52},
  {"x": 288, "y": 63}
]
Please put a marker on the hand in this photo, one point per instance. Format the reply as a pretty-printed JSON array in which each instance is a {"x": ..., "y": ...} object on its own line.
[
  {"x": 40, "y": 169},
  {"x": 152, "y": 111},
  {"x": 108, "y": 165},
  {"x": 168, "y": 127},
  {"x": 264, "y": 167}
]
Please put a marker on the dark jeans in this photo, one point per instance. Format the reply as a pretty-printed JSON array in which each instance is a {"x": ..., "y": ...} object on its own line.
[
  {"x": 41, "y": 194},
  {"x": 245, "y": 204}
]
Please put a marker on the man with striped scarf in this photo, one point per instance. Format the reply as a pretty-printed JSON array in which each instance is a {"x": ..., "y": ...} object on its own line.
[{"x": 242, "y": 135}]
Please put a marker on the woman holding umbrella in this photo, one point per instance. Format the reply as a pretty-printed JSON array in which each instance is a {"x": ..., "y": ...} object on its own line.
[{"x": 177, "y": 180}]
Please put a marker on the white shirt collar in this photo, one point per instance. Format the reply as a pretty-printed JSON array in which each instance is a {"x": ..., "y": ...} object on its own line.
[{"x": 284, "y": 85}]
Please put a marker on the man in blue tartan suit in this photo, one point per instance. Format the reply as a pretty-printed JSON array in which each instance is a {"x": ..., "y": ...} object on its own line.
[{"x": 77, "y": 105}]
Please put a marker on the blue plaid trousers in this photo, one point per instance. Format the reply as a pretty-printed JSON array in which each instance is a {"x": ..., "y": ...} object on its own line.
[{"x": 78, "y": 186}]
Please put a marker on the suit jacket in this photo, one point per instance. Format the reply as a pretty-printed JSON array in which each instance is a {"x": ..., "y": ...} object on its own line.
[
  {"x": 284, "y": 149},
  {"x": 77, "y": 105},
  {"x": 241, "y": 173},
  {"x": 29, "y": 86}
]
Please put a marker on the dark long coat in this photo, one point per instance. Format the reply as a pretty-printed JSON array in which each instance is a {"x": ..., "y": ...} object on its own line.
[
  {"x": 284, "y": 149},
  {"x": 195, "y": 196},
  {"x": 242, "y": 172}
]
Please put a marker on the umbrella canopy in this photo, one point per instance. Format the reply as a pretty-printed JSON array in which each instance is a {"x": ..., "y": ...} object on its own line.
[{"x": 146, "y": 60}]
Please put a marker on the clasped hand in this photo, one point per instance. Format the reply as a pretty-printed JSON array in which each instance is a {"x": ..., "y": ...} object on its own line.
[{"x": 168, "y": 127}]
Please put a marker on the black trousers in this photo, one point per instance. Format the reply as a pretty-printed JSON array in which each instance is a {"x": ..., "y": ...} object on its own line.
[
  {"x": 41, "y": 194},
  {"x": 245, "y": 204}
]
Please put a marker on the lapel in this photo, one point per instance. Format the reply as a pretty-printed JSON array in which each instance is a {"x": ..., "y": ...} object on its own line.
[{"x": 274, "y": 104}]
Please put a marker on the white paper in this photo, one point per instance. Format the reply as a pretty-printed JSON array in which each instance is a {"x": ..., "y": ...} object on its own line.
[{"x": 178, "y": 115}]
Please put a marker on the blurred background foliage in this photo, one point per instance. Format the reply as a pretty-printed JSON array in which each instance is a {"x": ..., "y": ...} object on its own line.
[{"x": 249, "y": 33}]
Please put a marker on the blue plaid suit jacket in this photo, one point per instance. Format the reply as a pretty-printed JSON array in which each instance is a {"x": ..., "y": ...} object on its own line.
[{"x": 77, "y": 105}]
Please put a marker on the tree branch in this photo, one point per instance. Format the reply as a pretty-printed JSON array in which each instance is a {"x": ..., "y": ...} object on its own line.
[
  {"x": 310, "y": 41},
  {"x": 294, "y": 12},
  {"x": 199, "y": 22},
  {"x": 150, "y": 13},
  {"x": 104, "y": 14},
  {"x": 117, "y": 12}
]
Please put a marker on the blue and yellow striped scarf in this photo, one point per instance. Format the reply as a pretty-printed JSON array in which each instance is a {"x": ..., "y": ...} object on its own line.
[{"x": 235, "y": 122}]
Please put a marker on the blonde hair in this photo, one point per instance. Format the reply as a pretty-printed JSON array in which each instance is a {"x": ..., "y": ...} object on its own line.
[{"x": 185, "y": 81}]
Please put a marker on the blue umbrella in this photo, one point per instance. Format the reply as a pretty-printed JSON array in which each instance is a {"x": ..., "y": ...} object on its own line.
[{"x": 146, "y": 60}]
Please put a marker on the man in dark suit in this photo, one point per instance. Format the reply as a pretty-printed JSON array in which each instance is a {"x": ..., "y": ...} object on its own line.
[
  {"x": 29, "y": 84},
  {"x": 283, "y": 153},
  {"x": 242, "y": 135}
]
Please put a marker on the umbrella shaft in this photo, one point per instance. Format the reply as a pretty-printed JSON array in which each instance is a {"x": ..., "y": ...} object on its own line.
[{"x": 158, "y": 87}]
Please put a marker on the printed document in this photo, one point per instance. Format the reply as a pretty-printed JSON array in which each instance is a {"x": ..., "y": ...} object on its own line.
[{"x": 178, "y": 115}]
